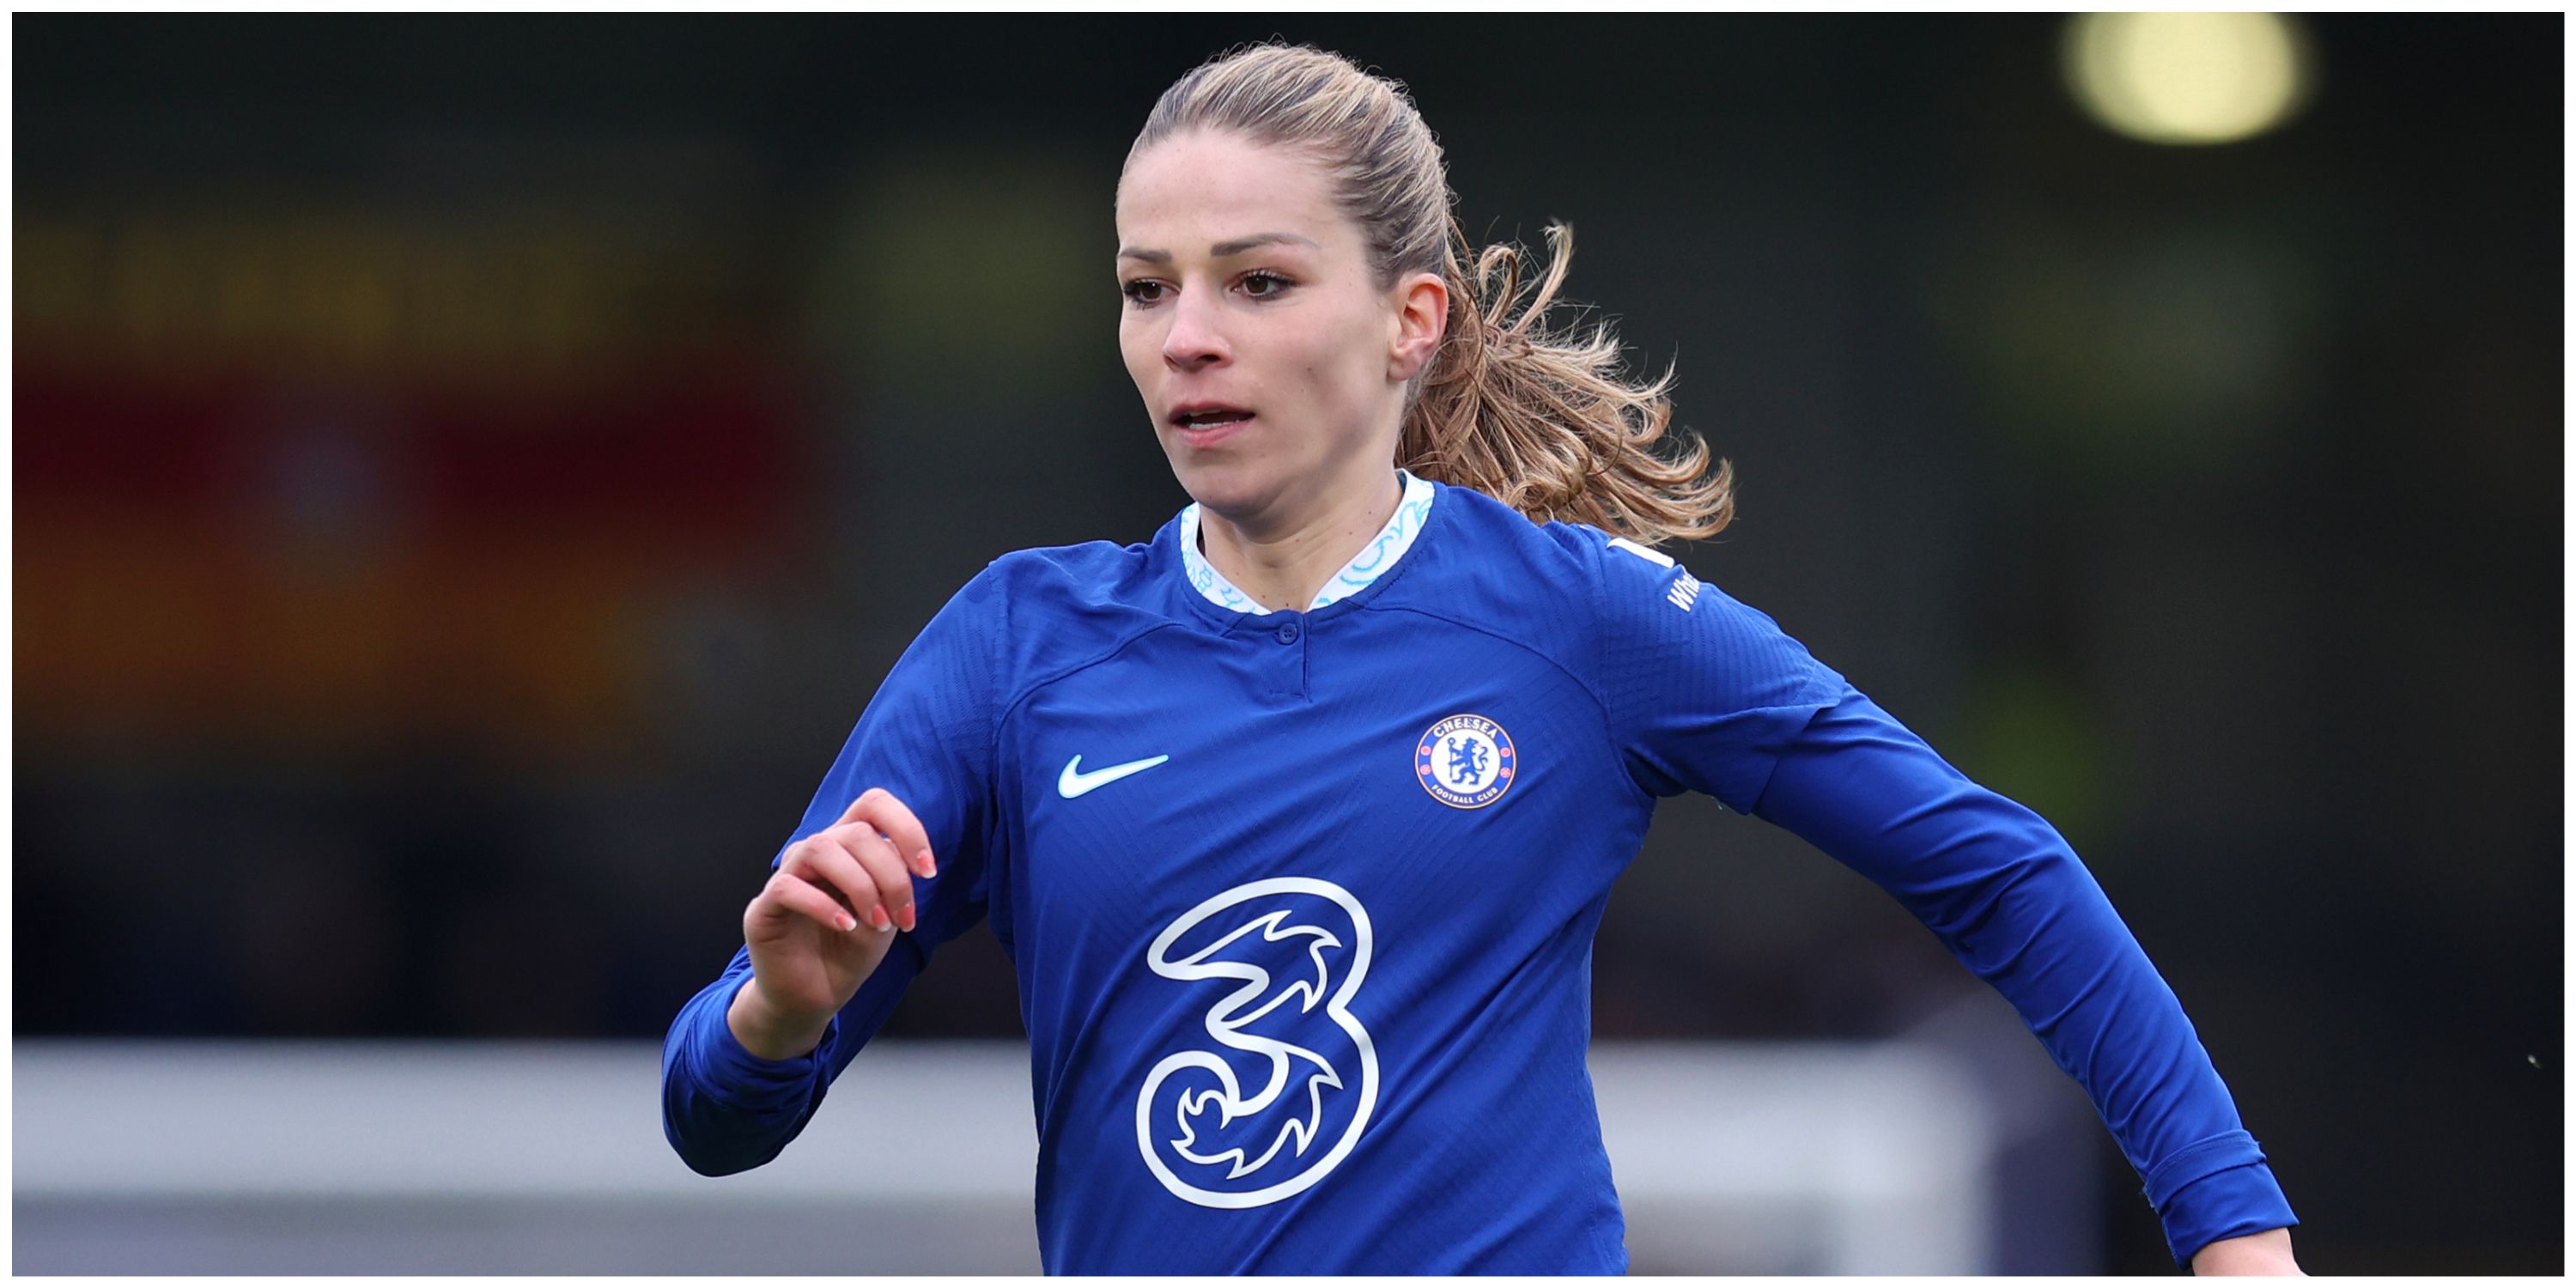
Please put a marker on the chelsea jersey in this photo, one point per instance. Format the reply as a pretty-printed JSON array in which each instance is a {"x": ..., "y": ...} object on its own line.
[{"x": 1301, "y": 903}]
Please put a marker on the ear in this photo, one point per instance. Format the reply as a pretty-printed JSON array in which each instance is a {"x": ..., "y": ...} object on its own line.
[{"x": 1421, "y": 318}]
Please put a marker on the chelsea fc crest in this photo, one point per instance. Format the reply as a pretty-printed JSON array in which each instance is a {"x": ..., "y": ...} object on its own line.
[{"x": 1465, "y": 762}]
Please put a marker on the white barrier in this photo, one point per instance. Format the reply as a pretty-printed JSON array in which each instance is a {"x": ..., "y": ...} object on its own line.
[{"x": 446, "y": 1158}]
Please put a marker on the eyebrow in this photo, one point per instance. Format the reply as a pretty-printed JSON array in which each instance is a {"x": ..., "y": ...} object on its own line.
[{"x": 1221, "y": 249}]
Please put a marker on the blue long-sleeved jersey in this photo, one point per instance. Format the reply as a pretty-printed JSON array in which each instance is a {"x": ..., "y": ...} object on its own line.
[{"x": 1301, "y": 904}]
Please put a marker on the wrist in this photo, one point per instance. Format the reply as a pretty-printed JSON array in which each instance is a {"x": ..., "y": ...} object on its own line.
[
  {"x": 2266, "y": 1253},
  {"x": 765, "y": 1032}
]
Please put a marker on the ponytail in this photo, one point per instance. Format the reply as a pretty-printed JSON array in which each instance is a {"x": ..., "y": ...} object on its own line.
[{"x": 1543, "y": 420}]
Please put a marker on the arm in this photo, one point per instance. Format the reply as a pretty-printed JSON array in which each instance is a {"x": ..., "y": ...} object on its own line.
[
  {"x": 747, "y": 1060},
  {"x": 1706, "y": 694},
  {"x": 722, "y": 1106},
  {"x": 726, "y": 1110},
  {"x": 2006, "y": 894}
]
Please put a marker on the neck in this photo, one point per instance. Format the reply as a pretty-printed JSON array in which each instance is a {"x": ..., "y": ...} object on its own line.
[{"x": 1284, "y": 564}]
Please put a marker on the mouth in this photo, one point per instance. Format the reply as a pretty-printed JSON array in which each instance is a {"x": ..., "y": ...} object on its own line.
[{"x": 1200, "y": 424}]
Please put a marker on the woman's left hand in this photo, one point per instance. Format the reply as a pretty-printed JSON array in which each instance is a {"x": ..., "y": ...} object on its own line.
[{"x": 2267, "y": 1253}]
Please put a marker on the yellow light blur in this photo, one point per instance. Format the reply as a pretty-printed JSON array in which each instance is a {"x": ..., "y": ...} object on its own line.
[{"x": 2187, "y": 78}]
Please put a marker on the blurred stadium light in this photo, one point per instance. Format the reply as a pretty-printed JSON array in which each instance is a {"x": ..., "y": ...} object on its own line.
[
  {"x": 292, "y": 1158},
  {"x": 2188, "y": 78}
]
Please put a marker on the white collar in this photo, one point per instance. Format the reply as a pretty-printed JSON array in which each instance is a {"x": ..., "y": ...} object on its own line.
[{"x": 1375, "y": 558}]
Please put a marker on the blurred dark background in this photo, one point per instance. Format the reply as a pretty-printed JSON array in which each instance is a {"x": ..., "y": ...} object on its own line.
[{"x": 472, "y": 470}]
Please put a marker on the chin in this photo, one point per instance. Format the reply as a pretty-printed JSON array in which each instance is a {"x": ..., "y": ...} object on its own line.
[{"x": 1230, "y": 488}]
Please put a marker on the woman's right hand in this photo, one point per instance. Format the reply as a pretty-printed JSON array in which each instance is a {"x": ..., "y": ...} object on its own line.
[{"x": 826, "y": 918}]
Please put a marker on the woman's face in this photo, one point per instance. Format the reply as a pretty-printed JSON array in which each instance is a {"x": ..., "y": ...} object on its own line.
[{"x": 1271, "y": 363}]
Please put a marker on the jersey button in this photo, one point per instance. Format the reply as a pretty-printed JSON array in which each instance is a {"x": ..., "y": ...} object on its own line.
[{"x": 1288, "y": 634}]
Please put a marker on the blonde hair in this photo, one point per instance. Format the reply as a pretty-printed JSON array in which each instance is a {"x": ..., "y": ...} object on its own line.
[{"x": 1540, "y": 419}]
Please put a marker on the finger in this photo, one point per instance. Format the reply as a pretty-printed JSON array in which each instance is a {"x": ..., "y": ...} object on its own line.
[
  {"x": 890, "y": 816},
  {"x": 877, "y": 855},
  {"x": 795, "y": 895},
  {"x": 825, "y": 861}
]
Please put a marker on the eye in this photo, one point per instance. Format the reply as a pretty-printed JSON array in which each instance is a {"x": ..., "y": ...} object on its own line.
[
  {"x": 1263, "y": 285},
  {"x": 1142, "y": 291}
]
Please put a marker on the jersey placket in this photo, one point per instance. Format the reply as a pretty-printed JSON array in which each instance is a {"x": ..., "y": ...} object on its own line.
[{"x": 1283, "y": 669}]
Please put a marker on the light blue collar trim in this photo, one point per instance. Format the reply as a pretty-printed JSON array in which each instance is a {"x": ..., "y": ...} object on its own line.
[{"x": 1373, "y": 559}]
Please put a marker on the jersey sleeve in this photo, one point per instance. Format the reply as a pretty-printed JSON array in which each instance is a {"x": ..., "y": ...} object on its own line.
[
  {"x": 1703, "y": 693},
  {"x": 1717, "y": 699},
  {"x": 2008, "y": 897},
  {"x": 928, "y": 737}
]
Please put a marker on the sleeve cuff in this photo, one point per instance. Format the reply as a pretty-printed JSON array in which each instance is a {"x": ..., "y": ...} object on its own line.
[
  {"x": 737, "y": 1077},
  {"x": 2199, "y": 1159},
  {"x": 2237, "y": 1200}
]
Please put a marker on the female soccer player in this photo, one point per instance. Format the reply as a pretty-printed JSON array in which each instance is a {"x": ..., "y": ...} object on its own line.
[{"x": 1298, "y": 820}]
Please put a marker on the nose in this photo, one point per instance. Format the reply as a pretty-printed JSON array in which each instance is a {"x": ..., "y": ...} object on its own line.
[{"x": 1194, "y": 341}]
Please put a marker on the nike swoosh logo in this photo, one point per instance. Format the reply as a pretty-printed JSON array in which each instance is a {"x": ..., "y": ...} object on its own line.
[{"x": 1073, "y": 782}]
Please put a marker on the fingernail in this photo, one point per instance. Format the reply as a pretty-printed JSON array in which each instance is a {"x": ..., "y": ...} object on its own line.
[
  {"x": 849, "y": 922},
  {"x": 910, "y": 918},
  {"x": 877, "y": 917},
  {"x": 928, "y": 868}
]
